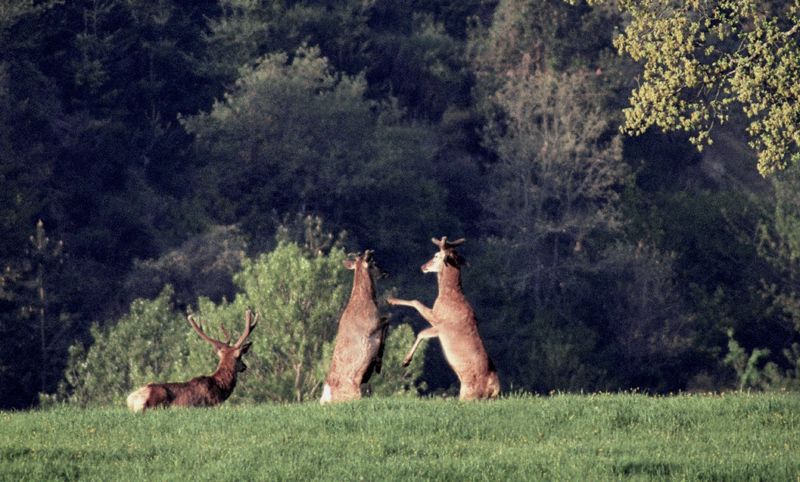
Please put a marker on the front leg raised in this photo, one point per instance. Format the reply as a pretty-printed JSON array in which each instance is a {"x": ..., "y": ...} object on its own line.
[
  {"x": 431, "y": 332},
  {"x": 423, "y": 310}
]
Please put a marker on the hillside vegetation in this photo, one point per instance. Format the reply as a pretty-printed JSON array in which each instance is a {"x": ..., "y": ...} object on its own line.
[
  {"x": 161, "y": 158},
  {"x": 560, "y": 437}
]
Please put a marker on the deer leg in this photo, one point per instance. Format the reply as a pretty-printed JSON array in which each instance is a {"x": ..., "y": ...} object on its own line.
[
  {"x": 423, "y": 310},
  {"x": 382, "y": 326},
  {"x": 377, "y": 362},
  {"x": 431, "y": 332},
  {"x": 379, "y": 357}
]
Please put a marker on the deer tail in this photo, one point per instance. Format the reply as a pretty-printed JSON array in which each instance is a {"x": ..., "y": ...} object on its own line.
[{"x": 138, "y": 400}]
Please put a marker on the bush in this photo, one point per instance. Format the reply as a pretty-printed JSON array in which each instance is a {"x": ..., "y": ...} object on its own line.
[{"x": 146, "y": 344}]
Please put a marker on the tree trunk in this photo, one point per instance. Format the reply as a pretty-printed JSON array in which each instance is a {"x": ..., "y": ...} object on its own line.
[{"x": 298, "y": 381}]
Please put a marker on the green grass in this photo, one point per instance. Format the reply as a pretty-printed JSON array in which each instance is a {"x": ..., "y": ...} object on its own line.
[{"x": 563, "y": 437}]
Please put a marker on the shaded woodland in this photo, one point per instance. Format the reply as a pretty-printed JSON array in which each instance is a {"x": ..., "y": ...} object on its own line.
[{"x": 166, "y": 150}]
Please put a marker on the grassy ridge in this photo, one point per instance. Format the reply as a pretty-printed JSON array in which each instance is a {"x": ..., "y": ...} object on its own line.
[{"x": 564, "y": 437}]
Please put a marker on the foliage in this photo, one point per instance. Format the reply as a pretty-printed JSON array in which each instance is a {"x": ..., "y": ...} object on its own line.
[
  {"x": 753, "y": 373},
  {"x": 619, "y": 324},
  {"x": 779, "y": 244},
  {"x": 246, "y": 30},
  {"x": 147, "y": 344},
  {"x": 201, "y": 266},
  {"x": 294, "y": 135},
  {"x": 572, "y": 437},
  {"x": 427, "y": 72},
  {"x": 702, "y": 57},
  {"x": 546, "y": 36},
  {"x": 554, "y": 208},
  {"x": 746, "y": 366},
  {"x": 556, "y": 183},
  {"x": 412, "y": 51},
  {"x": 711, "y": 236},
  {"x": 26, "y": 146},
  {"x": 553, "y": 34},
  {"x": 34, "y": 320},
  {"x": 12, "y": 11},
  {"x": 549, "y": 356},
  {"x": 310, "y": 233}
]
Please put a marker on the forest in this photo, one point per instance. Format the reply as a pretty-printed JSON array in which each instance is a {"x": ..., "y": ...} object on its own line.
[{"x": 625, "y": 172}]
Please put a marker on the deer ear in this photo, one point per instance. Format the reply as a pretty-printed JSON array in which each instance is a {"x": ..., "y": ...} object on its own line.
[
  {"x": 454, "y": 259},
  {"x": 349, "y": 264},
  {"x": 245, "y": 348}
]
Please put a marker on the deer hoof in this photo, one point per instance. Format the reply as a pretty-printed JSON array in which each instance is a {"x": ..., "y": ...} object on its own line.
[{"x": 406, "y": 362}]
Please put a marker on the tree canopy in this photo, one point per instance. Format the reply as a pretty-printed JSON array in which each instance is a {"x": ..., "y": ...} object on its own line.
[{"x": 703, "y": 57}]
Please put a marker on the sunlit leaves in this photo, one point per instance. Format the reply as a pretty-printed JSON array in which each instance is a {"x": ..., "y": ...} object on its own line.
[{"x": 701, "y": 58}]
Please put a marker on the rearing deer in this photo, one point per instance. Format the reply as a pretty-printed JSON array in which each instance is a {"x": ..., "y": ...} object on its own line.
[
  {"x": 360, "y": 338},
  {"x": 201, "y": 391},
  {"x": 453, "y": 321}
]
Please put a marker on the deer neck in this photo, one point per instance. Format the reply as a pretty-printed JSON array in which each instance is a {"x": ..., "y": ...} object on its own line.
[
  {"x": 225, "y": 376},
  {"x": 449, "y": 279},
  {"x": 363, "y": 289}
]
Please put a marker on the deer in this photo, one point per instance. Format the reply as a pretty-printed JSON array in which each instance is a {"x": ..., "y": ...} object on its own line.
[
  {"x": 453, "y": 322},
  {"x": 202, "y": 391},
  {"x": 360, "y": 337}
]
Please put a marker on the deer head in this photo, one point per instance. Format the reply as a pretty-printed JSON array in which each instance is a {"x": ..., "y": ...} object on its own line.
[
  {"x": 446, "y": 256},
  {"x": 364, "y": 261},
  {"x": 226, "y": 352}
]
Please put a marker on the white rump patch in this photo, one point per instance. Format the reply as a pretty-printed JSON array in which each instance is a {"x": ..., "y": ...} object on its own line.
[
  {"x": 326, "y": 395},
  {"x": 137, "y": 399}
]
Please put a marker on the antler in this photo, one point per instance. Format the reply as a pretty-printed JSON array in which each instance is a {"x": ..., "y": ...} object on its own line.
[
  {"x": 216, "y": 343},
  {"x": 250, "y": 323},
  {"x": 457, "y": 242},
  {"x": 444, "y": 243},
  {"x": 225, "y": 332}
]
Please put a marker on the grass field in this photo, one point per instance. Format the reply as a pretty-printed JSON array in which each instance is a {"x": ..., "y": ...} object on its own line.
[{"x": 562, "y": 437}]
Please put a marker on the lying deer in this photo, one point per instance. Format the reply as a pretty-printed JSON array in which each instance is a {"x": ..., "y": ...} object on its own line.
[
  {"x": 201, "y": 391},
  {"x": 453, "y": 321},
  {"x": 359, "y": 341}
]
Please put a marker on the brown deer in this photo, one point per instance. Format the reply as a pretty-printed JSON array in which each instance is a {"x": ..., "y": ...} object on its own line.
[
  {"x": 360, "y": 338},
  {"x": 453, "y": 321},
  {"x": 203, "y": 391}
]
